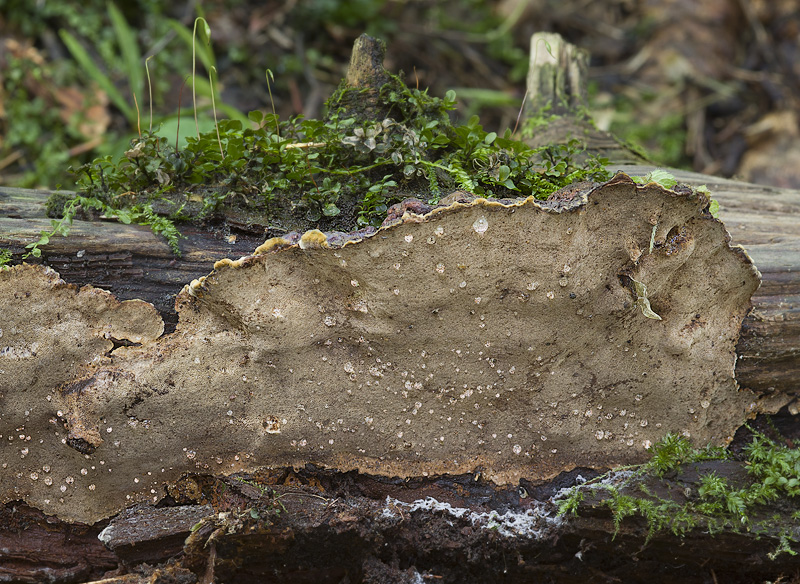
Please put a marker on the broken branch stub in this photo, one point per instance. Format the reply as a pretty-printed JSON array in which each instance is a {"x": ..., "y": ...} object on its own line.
[
  {"x": 557, "y": 76},
  {"x": 506, "y": 338},
  {"x": 365, "y": 77}
]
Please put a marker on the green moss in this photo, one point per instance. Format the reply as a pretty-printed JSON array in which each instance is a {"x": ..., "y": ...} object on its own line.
[
  {"x": 538, "y": 120},
  {"x": 714, "y": 505},
  {"x": 336, "y": 173},
  {"x": 5, "y": 257}
]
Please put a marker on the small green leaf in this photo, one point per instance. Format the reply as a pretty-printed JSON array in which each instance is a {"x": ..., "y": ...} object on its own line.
[
  {"x": 713, "y": 208},
  {"x": 503, "y": 173},
  {"x": 663, "y": 178},
  {"x": 658, "y": 176},
  {"x": 123, "y": 216},
  {"x": 330, "y": 210}
]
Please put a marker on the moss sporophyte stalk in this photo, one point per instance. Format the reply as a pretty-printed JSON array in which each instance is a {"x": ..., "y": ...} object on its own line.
[{"x": 341, "y": 172}]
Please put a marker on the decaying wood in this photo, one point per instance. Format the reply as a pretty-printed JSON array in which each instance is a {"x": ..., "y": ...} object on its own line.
[
  {"x": 557, "y": 80},
  {"x": 132, "y": 262},
  {"x": 328, "y": 527},
  {"x": 556, "y": 100},
  {"x": 315, "y": 525},
  {"x": 436, "y": 345},
  {"x": 367, "y": 75}
]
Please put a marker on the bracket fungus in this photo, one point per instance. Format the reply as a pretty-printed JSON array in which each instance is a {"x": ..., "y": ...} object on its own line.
[{"x": 515, "y": 338}]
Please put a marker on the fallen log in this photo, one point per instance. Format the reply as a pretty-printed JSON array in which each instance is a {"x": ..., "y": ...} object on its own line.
[
  {"x": 249, "y": 494},
  {"x": 132, "y": 262}
]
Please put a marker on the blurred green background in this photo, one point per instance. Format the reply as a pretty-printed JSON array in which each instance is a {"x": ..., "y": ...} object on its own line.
[{"x": 710, "y": 88}]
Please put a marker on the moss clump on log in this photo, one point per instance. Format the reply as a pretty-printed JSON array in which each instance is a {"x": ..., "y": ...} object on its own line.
[{"x": 379, "y": 143}]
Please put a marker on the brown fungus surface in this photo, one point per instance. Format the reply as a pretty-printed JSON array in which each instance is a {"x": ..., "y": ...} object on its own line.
[{"x": 510, "y": 338}]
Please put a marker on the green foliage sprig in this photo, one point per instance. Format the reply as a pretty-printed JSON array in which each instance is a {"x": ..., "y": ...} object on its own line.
[
  {"x": 716, "y": 504},
  {"x": 661, "y": 177},
  {"x": 5, "y": 257},
  {"x": 140, "y": 214},
  {"x": 668, "y": 181},
  {"x": 339, "y": 172}
]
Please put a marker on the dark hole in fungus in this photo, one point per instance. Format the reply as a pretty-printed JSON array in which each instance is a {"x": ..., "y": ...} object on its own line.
[{"x": 81, "y": 445}]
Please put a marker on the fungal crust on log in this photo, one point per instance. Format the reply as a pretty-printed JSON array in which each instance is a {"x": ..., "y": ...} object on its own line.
[{"x": 506, "y": 338}]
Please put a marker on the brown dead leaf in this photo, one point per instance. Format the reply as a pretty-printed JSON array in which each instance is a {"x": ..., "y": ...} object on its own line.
[
  {"x": 24, "y": 50},
  {"x": 774, "y": 155},
  {"x": 85, "y": 108},
  {"x": 91, "y": 109},
  {"x": 773, "y": 124}
]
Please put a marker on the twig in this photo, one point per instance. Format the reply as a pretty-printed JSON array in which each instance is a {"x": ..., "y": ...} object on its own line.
[{"x": 305, "y": 145}]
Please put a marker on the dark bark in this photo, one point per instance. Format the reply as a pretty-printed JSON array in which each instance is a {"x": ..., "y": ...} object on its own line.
[
  {"x": 36, "y": 548},
  {"x": 316, "y": 526}
]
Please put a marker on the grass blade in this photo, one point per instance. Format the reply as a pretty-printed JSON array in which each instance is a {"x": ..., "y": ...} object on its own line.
[
  {"x": 94, "y": 72},
  {"x": 129, "y": 49}
]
